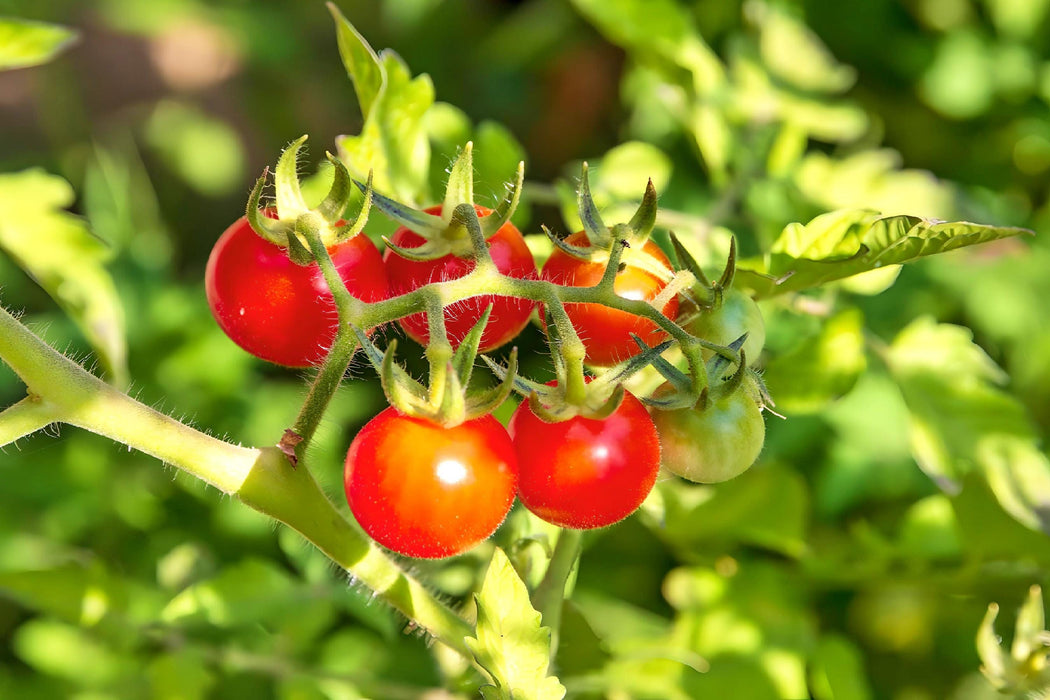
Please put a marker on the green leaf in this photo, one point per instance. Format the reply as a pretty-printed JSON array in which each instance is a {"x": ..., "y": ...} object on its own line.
[
  {"x": 180, "y": 674},
  {"x": 811, "y": 66},
  {"x": 873, "y": 179},
  {"x": 838, "y": 671},
  {"x": 360, "y": 60},
  {"x": 662, "y": 27},
  {"x": 59, "y": 252},
  {"x": 68, "y": 652},
  {"x": 253, "y": 592},
  {"x": 24, "y": 43},
  {"x": 767, "y": 507},
  {"x": 961, "y": 421},
  {"x": 843, "y": 243},
  {"x": 393, "y": 142},
  {"x": 822, "y": 369},
  {"x": 510, "y": 643}
]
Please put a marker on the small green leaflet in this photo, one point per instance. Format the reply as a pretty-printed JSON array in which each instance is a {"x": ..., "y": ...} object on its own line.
[
  {"x": 961, "y": 421},
  {"x": 510, "y": 643},
  {"x": 24, "y": 43},
  {"x": 60, "y": 253},
  {"x": 393, "y": 142},
  {"x": 847, "y": 242}
]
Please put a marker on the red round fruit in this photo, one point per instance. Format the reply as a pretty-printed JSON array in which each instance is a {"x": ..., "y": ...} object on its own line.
[
  {"x": 584, "y": 473},
  {"x": 279, "y": 311},
  {"x": 607, "y": 332},
  {"x": 427, "y": 491},
  {"x": 509, "y": 315}
]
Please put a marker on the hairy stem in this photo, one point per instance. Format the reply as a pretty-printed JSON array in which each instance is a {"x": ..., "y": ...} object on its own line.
[
  {"x": 24, "y": 418},
  {"x": 338, "y": 359},
  {"x": 549, "y": 595},
  {"x": 261, "y": 478}
]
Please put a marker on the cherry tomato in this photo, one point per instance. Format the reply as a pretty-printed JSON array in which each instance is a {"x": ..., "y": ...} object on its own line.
[
  {"x": 427, "y": 491},
  {"x": 279, "y": 311},
  {"x": 509, "y": 315},
  {"x": 607, "y": 332},
  {"x": 714, "y": 444},
  {"x": 737, "y": 315},
  {"x": 584, "y": 473}
]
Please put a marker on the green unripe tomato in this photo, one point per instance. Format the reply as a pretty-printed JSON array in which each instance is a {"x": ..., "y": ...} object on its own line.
[
  {"x": 737, "y": 315},
  {"x": 715, "y": 443}
]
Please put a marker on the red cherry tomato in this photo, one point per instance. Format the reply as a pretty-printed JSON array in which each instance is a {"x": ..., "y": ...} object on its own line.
[
  {"x": 607, "y": 332},
  {"x": 279, "y": 311},
  {"x": 509, "y": 315},
  {"x": 427, "y": 491},
  {"x": 584, "y": 473}
]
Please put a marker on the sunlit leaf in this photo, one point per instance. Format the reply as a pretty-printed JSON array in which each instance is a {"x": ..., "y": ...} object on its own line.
[
  {"x": 873, "y": 179},
  {"x": 393, "y": 142},
  {"x": 662, "y": 27},
  {"x": 360, "y": 61},
  {"x": 960, "y": 419},
  {"x": 822, "y": 369},
  {"x": 844, "y": 243},
  {"x": 810, "y": 66},
  {"x": 510, "y": 643},
  {"x": 24, "y": 43},
  {"x": 59, "y": 252}
]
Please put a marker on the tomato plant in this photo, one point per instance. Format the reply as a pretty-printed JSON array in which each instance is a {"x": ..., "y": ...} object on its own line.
[
  {"x": 607, "y": 332},
  {"x": 427, "y": 491},
  {"x": 712, "y": 443},
  {"x": 509, "y": 314},
  {"x": 277, "y": 310},
  {"x": 737, "y": 314},
  {"x": 586, "y": 473}
]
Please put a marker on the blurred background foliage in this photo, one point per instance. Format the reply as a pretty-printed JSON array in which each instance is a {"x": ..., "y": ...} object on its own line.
[{"x": 905, "y": 490}]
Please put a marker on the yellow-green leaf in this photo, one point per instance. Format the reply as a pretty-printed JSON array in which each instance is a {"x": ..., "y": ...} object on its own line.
[
  {"x": 60, "y": 253},
  {"x": 24, "y": 43},
  {"x": 510, "y": 644}
]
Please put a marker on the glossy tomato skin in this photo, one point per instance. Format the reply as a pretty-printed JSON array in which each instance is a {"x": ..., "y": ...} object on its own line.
[
  {"x": 509, "y": 315},
  {"x": 279, "y": 311},
  {"x": 715, "y": 444},
  {"x": 426, "y": 491},
  {"x": 584, "y": 473},
  {"x": 607, "y": 332}
]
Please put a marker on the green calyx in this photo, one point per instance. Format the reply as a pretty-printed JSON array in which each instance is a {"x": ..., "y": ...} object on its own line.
[
  {"x": 704, "y": 294},
  {"x": 296, "y": 224},
  {"x": 575, "y": 393},
  {"x": 447, "y": 234},
  {"x": 447, "y": 400}
]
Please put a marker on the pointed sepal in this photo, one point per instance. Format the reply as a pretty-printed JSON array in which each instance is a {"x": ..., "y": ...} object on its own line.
[
  {"x": 355, "y": 227},
  {"x": 686, "y": 261},
  {"x": 579, "y": 252},
  {"x": 493, "y": 222},
  {"x": 460, "y": 187},
  {"x": 489, "y": 400},
  {"x": 593, "y": 227},
  {"x": 644, "y": 219},
  {"x": 290, "y": 201}
]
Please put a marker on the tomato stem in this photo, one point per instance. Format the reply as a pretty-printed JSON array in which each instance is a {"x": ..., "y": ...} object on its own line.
[
  {"x": 339, "y": 355},
  {"x": 24, "y": 418},
  {"x": 260, "y": 478},
  {"x": 549, "y": 595}
]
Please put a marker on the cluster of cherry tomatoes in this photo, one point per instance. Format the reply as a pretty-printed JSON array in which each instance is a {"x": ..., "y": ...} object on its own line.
[{"x": 425, "y": 490}]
